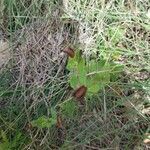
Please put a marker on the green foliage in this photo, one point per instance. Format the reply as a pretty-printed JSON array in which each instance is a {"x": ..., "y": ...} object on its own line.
[
  {"x": 69, "y": 109},
  {"x": 95, "y": 75},
  {"x": 16, "y": 143},
  {"x": 45, "y": 122}
]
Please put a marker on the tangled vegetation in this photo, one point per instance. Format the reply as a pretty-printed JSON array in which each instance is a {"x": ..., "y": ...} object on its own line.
[{"x": 74, "y": 74}]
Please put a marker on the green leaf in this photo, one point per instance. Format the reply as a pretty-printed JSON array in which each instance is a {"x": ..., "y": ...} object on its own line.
[
  {"x": 83, "y": 80},
  {"x": 74, "y": 81},
  {"x": 94, "y": 66},
  {"x": 99, "y": 77},
  {"x": 98, "y": 81},
  {"x": 45, "y": 122},
  {"x": 82, "y": 72},
  {"x": 69, "y": 109},
  {"x": 78, "y": 68},
  {"x": 72, "y": 64},
  {"x": 92, "y": 86},
  {"x": 42, "y": 122},
  {"x": 95, "y": 75}
]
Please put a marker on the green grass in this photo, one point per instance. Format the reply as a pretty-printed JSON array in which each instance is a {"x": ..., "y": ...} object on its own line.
[{"x": 112, "y": 118}]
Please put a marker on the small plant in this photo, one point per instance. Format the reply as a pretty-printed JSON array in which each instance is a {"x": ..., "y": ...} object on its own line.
[
  {"x": 94, "y": 74},
  {"x": 69, "y": 109},
  {"x": 86, "y": 79},
  {"x": 45, "y": 122}
]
